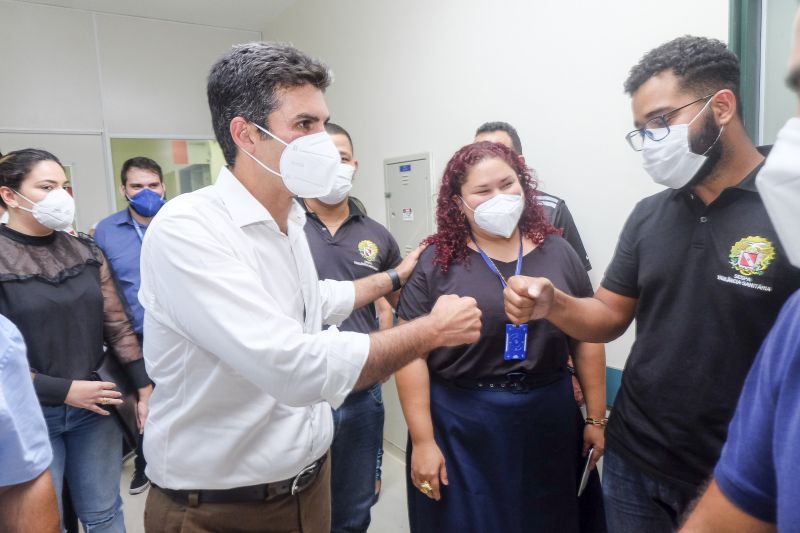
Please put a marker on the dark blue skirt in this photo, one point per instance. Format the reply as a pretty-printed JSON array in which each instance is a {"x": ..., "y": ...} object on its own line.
[{"x": 513, "y": 462}]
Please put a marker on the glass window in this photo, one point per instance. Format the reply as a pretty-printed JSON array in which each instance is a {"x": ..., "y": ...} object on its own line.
[{"x": 187, "y": 165}]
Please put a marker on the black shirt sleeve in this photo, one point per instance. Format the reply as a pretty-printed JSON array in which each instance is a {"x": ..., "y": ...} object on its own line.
[
  {"x": 622, "y": 274},
  {"x": 563, "y": 220},
  {"x": 393, "y": 256},
  {"x": 583, "y": 285},
  {"x": 51, "y": 390},
  {"x": 415, "y": 298}
]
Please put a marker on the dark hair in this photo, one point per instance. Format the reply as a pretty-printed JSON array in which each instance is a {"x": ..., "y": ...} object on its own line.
[
  {"x": 452, "y": 227},
  {"x": 490, "y": 127},
  {"x": 15, "y": 166},
  {"x": 335, "y": 129},
  {"x": 702, "y": 66},
  {"x": 246, "y": 83},
  {"x": 145, "y": 163}
]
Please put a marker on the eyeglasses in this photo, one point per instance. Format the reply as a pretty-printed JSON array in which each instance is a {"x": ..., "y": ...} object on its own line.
[{"x": 657, "y": 128}]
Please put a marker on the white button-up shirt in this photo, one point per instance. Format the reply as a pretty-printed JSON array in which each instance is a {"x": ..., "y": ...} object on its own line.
[{"x": 245, "y": 377}]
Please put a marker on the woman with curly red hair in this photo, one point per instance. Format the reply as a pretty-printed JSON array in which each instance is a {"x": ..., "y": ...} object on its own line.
[{"x": 496, "y": 441}]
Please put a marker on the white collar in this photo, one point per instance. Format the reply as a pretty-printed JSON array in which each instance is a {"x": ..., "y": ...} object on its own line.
[{"x": 243, "y": 207}]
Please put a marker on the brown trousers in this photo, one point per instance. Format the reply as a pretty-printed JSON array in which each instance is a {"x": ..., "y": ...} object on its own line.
[{"x": 307, "y": 512}]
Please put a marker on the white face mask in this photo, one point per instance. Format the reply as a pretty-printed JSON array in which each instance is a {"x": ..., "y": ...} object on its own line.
[
  {"x": 778, "y": 182},
  {"x": 56, "y": 211},
  {"x": 308, "y": 164},
  {"x": 341, "y": 185},
  {"x": 499, "y": 215},
  {"x": 670, "y": 161}
]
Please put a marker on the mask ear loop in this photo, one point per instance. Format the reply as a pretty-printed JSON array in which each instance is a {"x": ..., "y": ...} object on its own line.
[
  {"x": 701, "y": 111},
  {"x": 26, "y": 199},
  {"x": 465, "y": 204},
  {"x": 721, "y": 128},
  {"x": 270, "y": 134},
  {"x": 254, "y": 158}
]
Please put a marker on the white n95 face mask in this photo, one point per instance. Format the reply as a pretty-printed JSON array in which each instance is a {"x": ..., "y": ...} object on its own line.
[
  {"x": 499, "y": 215},
  {"x": 778, "y": 182},
  {"x": 341, "y": 185},
  {"x": 308, "y": 164},
  {"x": 670, "y": 161},
  {"x": 56, "y": 211}
]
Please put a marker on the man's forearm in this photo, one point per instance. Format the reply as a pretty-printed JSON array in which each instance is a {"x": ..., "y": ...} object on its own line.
[
  {"x": 392, "y": 349},
  {"x": 371, "y": 288},
  {"x": 585, "y": 319}
]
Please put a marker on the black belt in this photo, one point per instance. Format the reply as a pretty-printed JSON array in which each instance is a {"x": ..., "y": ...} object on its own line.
[
  {"x": 516, "y": 382},
  {"x": 253, "y": 493}
]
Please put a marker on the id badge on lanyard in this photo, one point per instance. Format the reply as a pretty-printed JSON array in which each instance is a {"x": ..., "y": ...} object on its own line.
[{"x": 516, "y": 336}]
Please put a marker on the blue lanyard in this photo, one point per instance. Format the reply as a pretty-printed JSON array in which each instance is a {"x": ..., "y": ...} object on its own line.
[
  {"x": 492, "y": 266},
  {"x": 138, "y": 229}
]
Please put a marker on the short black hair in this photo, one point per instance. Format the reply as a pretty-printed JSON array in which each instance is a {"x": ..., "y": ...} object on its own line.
[
  {"x": 335, "y": 129},
  {"x": 246, "y": 82},
  {"x": 15, "y": 166},
  {"x": 702, "y": 66},
  {"x": 145, "y": 163},
  {"x": 490, "y": 127}
]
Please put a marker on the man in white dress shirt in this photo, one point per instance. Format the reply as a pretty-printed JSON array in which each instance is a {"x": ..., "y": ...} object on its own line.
[{"x": 240, "y": 418}]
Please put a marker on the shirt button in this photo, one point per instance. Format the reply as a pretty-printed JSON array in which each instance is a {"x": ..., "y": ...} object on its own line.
[{"x": 703, "y": 219}]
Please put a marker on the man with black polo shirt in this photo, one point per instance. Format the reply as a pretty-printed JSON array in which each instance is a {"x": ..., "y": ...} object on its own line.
[
  {"x": 348, "y": 245},
  {"x": 700, "y": 268}
]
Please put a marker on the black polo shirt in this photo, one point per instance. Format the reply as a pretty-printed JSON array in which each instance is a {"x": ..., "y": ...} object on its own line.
[
  {"x": 709, "y": 281},
  {"x": 361, "y": 247}
]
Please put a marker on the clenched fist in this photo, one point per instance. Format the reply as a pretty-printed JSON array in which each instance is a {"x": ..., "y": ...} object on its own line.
[
  {"x": 527, "y": 299},
  {"x": 457, "y": 319}
]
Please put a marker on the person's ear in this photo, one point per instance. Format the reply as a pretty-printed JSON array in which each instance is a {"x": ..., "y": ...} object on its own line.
[
  {"x": 243, "y": 134},
  {"x": 723, "y": 106},
  {"x": 8, "y": 196},
  {"x": 355, "y": 164}
]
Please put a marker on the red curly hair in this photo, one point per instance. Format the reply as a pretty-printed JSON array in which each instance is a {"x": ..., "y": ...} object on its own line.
[{"x": 453, "y": 231}]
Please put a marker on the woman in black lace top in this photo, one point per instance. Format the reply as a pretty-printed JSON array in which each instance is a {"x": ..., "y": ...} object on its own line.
[{"x": 58, "y": 290}]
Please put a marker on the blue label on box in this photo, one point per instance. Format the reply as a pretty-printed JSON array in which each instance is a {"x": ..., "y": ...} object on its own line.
[{"x": 405, "y": 168}]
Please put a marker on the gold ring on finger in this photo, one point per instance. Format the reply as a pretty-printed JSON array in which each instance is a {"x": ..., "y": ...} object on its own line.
[{"x": 425, "y": 487}]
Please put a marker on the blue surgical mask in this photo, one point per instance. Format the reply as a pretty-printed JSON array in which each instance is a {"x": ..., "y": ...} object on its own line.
[{"x": 147, "y": 203}]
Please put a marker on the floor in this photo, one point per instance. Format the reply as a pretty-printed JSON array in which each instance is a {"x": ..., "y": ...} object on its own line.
[{"x": 388, "y": 516}]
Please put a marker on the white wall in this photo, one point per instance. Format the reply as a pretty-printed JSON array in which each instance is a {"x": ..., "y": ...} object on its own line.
[
  {"x": 777, "y": 101},
  {"x": 418, "y": 76},
  {"x": 71, "y": 79}
]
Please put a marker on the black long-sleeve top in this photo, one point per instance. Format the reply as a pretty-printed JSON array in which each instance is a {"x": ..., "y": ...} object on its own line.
[{"x": 59, "y": 292}]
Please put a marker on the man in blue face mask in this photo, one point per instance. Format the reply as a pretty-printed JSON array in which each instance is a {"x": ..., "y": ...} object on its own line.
[{"x": 120, "y": 237}]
